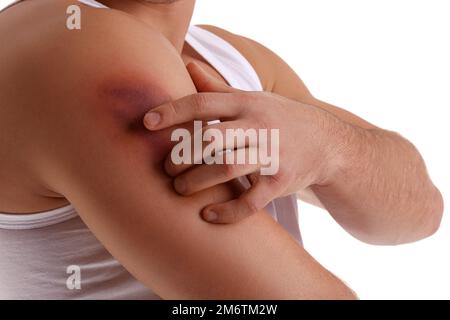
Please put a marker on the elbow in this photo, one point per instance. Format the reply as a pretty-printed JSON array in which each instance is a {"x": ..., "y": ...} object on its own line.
[
  {"x": 430, "y": 226},
  {"x": 433, "y": 218},
  {"x": 346, "y": 294},
  {"x": 351, "y": 296},
  {"x": 426, "y": 226},
  {"x": 341, "y": 292},
  {"x": 430, "y": 221}
]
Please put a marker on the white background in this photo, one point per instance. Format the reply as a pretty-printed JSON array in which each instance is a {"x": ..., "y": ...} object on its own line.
[{"x": 389, "y": 62}]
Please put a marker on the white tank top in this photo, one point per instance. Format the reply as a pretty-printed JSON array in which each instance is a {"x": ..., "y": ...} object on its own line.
[{"x": 38, "y": 250}]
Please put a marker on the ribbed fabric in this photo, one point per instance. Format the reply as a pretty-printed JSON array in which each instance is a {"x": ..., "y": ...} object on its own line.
[{"x": 37, "y": 220}]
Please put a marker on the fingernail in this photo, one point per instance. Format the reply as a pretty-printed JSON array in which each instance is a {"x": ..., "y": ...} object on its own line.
[
  {"x": 152, "y": 119},
  {"x": 210, "y": 216},
  {"x": 180, "y": 186}
]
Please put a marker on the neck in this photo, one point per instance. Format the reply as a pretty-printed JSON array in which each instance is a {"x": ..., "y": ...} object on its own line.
[{"x": 171, "y": 18}]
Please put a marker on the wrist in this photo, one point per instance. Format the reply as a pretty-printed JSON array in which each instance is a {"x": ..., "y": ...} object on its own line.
[{"x": 342, "y": 151}]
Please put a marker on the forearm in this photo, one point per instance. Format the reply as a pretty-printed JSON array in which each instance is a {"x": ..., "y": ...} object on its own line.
[{"x": 379, "y": 190}]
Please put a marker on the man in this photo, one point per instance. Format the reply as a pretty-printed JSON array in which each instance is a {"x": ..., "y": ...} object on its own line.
[{"x": 72, "y": 119}]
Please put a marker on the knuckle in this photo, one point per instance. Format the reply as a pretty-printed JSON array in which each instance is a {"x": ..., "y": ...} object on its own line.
[
  {"x": 264, "y": 98},
  {"x": 261, "y": 123},
  {"x": 278, "y": 183},
  {"x": 250, "y": 205},
  {"x": 228, "y": 171},
  {"x": 199, "y": 102},
  {"x": 248, "y": 98},
  {"x": 276, "y": 180},
  {"x": 254, "y": 178},
  {"x": 173, "y": 107},
  {"x": 267, "y": 94}
]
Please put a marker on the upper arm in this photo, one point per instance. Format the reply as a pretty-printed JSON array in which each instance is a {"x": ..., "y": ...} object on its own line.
[{"x": 92, "y": 148}]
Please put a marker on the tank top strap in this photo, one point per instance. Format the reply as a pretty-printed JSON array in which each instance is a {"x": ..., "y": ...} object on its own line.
[{"x": 225, "y": 58}]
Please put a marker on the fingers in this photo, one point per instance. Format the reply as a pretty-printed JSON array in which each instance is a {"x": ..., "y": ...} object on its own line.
[
  {"x": 206, "y": 176},
  {"x": 195, "y": 107},
  {"x": 256, "y": 198},
  {"x": 240, "y": 141},
  {"x": 201, "y": 106}
]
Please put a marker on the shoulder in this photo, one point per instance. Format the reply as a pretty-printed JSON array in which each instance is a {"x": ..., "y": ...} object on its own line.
[
  {"x": 275, "y": 74},
  {"x": 254, "y": 52},
  {"x": 38, "y": 34},
  {"x": 48, "y": 62},
  {"x": 70, "y": 89}
]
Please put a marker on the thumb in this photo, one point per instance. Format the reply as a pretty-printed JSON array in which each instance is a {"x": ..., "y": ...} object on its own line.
[{"x": 205, "y": 82}]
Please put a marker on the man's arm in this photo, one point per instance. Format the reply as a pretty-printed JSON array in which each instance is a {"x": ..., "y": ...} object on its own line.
[
  {"x": 382, "y": 193},
  {"x": 90, "y": 146}
]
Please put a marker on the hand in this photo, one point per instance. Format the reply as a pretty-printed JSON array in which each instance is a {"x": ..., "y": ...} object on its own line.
[{"x": 307, "y": 148}]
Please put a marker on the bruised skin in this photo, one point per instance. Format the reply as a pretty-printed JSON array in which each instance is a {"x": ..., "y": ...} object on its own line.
[
  {"x": 128, "y": 100},
  {"x": 109, "y": 88},
  {"x": 99, "y": 90}
]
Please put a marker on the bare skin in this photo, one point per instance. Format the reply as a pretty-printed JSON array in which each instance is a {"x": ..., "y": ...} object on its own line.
[
  {"x": 372, "y": 181},
  {"x": 58, "y": 175},
  {"x": 72, "y": 131}
]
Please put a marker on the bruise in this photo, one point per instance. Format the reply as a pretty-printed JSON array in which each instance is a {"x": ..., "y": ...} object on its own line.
[{"x": 128, "y": 99}]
